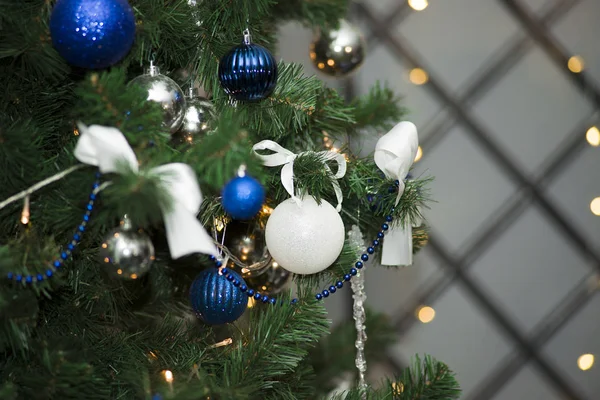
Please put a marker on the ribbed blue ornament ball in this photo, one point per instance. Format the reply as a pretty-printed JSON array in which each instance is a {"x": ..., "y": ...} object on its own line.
[
  {"x": 248, "y": 72},
  {"x": 242, "y": 197},
  {"x": 92, "y": 34},
  {"x": 215, "y": 299}
]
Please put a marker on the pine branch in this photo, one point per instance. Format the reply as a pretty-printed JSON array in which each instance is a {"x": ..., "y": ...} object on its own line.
[
  {"x": 379, "y": 110},
  {"x": 334, "y": 357},
  {"x": 313, "y": 13}
]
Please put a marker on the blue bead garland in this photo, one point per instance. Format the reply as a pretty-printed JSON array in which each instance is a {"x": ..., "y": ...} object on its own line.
[
  {"x": 63, "y": 255},
  {"x": 325, "y": 292}
]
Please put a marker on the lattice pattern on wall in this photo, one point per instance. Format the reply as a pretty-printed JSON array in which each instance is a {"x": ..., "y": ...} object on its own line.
[{"x": 513, "y": 260}]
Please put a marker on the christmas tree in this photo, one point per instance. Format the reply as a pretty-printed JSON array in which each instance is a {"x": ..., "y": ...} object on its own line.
[{"x": 150, "y": 237}]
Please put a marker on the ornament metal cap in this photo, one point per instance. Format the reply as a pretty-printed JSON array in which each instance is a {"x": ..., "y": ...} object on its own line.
[
  {"x": 153, "y": 70},
  {"x": 247, "y": 36}
]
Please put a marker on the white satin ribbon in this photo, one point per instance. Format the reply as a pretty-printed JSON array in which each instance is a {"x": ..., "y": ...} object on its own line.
[
  {"x": 107, "y": 148},
  {"x": 394, "y": 155},
  {"x": 282, "y": 156}
]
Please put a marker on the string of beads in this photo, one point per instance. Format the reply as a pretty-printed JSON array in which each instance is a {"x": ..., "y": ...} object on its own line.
[
  {"x": 326, "y": 292},
  {"x": 67, "y": 251}
]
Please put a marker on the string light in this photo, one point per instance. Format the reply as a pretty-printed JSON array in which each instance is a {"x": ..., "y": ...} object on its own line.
[
  {"x": 593, "y": 136},
  {"x": 585, "y": 361},
  {"x": 595, "y": 206},
  {"x": 425, "y": 314},
  {"x": 169, "y": 378},
  {"x": 418, "y": 76},
  {"x": 575, "y": 64},
  {"x": 419, "y": 154},
  {"x": 418, "y": 5},
  {"x": 222, "y": 343},
  {"x": 397, "y": 388},
  {"x": 25, "y": 213}
]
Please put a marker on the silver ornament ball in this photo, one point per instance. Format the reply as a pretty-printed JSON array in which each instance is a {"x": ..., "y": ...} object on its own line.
[
  {"x": 167, "y": 93},
  {"x": 271, "y": 281},
  {"x": 199, "y": 114},
  {"x": 126, "y": 253},
  {"x": 246, "y": 242},
  {"x": 338, "y": 52}
]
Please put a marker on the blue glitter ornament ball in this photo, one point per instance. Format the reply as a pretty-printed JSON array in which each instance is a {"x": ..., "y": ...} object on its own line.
[
  {"x": 217, "y": 300},
  {"x": 248, "y": 72},
  {"x": 242, "y": 197},
  {"x": 92, "y": 34}
]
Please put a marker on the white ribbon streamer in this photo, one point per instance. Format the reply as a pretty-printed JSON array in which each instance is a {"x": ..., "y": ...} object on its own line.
[
  {"x": 282, "y": 156},
  {"x": 107, "y": 148},
  {"x": 394, "y": 155}
]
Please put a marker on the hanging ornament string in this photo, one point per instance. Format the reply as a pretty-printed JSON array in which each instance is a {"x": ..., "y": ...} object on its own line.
[
  {"x": 107, "y": 148},
  {"x": 282, "y": 156},
  {"x": 358, "y": 311},
  {"x": 394, "y": 155}
]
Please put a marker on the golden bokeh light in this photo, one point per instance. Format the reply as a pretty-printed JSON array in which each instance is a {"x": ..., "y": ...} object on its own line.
[
  {"x": 425, "y": 314},
  {"x": 418, "y": 76},
  {"x": 595, "y": 206},
  {"x": 331, "y": 62},
  {"x": 321, "y": 65},
  {"x": 585, "y": 361},
  {"x": 168, "y": 375},
  {"x": 418, "y": 5},
  {"x": 575, "y": 64},
  {"x": 419, "y": 154},
  {"x": 593, "y": 136}
]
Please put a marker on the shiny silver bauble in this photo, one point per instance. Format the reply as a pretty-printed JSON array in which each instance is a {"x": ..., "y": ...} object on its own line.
[
  {"x": 167, "y": 93},
  {"x": 271, "y": 281},
  {"x": 338, "y": 52},
  {"x": 126, "y": 253},
  {"x": 245, "y": 241},
  {"x": 199, "y": 114}
]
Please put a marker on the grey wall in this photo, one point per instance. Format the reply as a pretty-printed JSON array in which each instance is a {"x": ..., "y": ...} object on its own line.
[{"x": 512, "y": 264}]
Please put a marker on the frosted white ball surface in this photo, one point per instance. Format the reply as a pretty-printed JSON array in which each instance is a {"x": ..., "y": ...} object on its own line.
[{"x": 305, "y": 239}]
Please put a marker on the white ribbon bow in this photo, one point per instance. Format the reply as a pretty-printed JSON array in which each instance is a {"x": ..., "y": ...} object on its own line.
[
  {"x": 107, "y": 148},
  {"x": 282, "y": 156},
  {"x": 394, "y": 155}
]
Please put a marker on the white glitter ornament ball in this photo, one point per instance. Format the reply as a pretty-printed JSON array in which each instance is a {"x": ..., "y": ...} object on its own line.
[{"x": 305, "y": 239}]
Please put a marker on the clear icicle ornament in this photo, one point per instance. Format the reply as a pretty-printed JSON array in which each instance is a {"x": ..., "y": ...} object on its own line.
[{"x": 359, "y": 295}]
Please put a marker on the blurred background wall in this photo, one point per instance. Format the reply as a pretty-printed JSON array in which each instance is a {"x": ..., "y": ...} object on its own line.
[{"x": 505, "y": 94}]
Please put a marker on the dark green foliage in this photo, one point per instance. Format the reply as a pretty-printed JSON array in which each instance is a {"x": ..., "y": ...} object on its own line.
[{"x": 82, "y": 335}]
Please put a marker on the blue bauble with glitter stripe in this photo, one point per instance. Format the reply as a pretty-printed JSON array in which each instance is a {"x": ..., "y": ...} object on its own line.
[
  {"x": 92, "y": 34},
  {"x": 248, "y": 72},
  {"x": 217, "y": 300}
]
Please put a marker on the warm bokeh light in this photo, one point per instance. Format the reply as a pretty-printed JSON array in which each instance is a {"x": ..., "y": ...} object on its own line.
[
  {"x": 331, "y": 62},
  {"x": 418, "y": 5},
  {"x": 168, "y": 376},
  {"x": 593, "y": 136},
  {"x": 321, "y": 65},
  {"x": 575, "y": 64},
  {"x": 418, "y": 76},
  {"x": 425, "y": 314},
  {"x": 595, "y": 206},
  {"x": 419, "y": 154},
  {"x": 585, "y": 361}
]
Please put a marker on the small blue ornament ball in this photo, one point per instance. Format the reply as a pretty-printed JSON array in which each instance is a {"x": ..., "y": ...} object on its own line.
[
  {"x": 217, "y": 300},
  {"x": 248, "y": 72},
  {"x": 242, "y": 197},
  {"x": 92, "y": 34}
]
